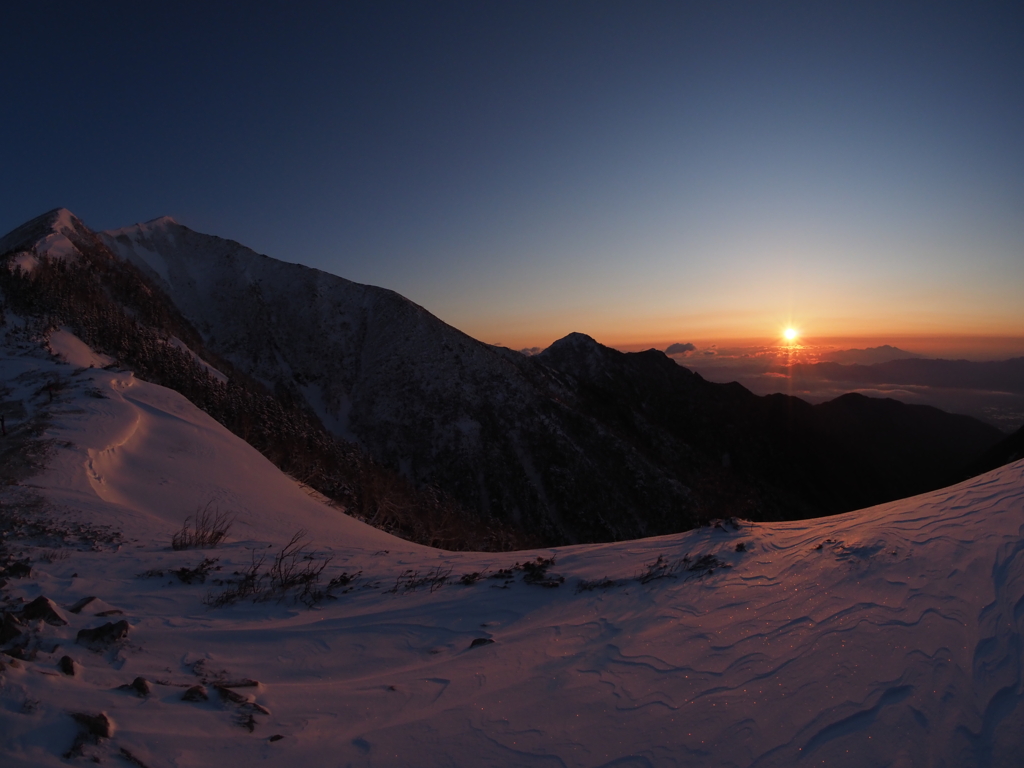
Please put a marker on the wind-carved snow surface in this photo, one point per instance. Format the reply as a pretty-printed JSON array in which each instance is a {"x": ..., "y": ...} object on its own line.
[{"x": 891, "y": 636}]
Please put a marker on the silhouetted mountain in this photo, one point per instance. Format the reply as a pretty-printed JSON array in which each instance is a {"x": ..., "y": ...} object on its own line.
[
  {"x": 848, "y": 453},
  {"x": 1007, "y": 450},
  {"x": 578, "y": 443},
  {"x": 869, "y": 356}
]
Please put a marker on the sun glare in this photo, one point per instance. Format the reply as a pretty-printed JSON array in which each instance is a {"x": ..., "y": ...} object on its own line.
[{"x": 790, "y": 334}]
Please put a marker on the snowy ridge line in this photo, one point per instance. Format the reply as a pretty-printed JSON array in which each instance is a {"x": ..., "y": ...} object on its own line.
[{"x": 578, "y": 443}]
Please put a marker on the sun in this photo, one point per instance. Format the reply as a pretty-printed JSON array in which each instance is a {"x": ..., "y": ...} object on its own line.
[{"x": 790, "y": 334}]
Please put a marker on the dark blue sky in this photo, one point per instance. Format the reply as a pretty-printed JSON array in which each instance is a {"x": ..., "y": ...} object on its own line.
[{"x": 638, "y": 171}]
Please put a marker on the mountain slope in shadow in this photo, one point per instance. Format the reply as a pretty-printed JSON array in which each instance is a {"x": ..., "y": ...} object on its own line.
[{"x": 578, "y": 443}]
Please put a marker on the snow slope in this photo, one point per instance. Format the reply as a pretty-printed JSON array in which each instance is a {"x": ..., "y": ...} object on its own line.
[{"x": 888, "y": 636}]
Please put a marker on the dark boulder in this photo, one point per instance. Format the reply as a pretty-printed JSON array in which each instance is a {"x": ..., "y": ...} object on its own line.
[
  {"x": 10, "y": 628},
  {"x": 95, "y": 725},
  {"x": 92, "y": 729},
  {"x": 45, "y": 609},
  {"x": 78, "y": 606},
  {"x": 101, "y": 637},
  {"x": 17, "y": 570},
  {"x": 196, "y": 693},
  {"x": 139, "y": 685}
]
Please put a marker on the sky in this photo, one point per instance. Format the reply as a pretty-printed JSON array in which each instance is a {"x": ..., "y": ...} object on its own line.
[{"x": 646, "y": 173}]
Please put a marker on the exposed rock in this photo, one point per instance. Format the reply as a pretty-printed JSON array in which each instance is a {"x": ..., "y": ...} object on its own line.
[
  {"x": 100, "y": 637},
  {"x": 196, "y": 693},
  {"x": 45, "y": 609},
  {"x": 17, "y": 570},
  {"x": 79, "y": 605},
  {"x": 244, "y": 682},
  {"x": 228, "y": 695},
  {"x": 96, "y": 725},
  {"x": 93, "y": 728},
  {"x": 67, "y": 665},
  {"x": 19, "y": 652},
  {"x": 480, "y": 641},
  {"x": 10, "y": 628},
  {"x": 132, "y": 758},
  {"x": 139, "y": 685}
]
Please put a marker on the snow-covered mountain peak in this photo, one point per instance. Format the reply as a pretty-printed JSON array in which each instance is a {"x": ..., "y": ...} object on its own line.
[
  {"x": 57, "y": 234},
  {"x": 52, "y": 233},
  {"x": 64, "y": 221}
]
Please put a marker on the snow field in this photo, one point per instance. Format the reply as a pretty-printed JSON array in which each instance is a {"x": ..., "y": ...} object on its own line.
[{"x": 888, "y": 636}]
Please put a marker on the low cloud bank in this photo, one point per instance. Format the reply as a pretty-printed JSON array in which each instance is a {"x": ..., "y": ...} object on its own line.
[{"x": 680, "y": 349}]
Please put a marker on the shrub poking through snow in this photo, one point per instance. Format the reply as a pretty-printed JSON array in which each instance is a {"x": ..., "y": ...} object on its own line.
[
  {"x": 663, "y": 568},
  {"x": 294, "y": 568},
  {"x": 184, "y": 574},
  {"x": 199, "y": 573},
  {"x": 705, "y": 565},
  {"x": 410, "y": 581},
  {"x": 207, "y": 529},
  {"x": 586, "y": 585},
  {"x": 727, "y": 524},
  {"x": 658, "y": 569},
  {"x": 536, "y": 572}
]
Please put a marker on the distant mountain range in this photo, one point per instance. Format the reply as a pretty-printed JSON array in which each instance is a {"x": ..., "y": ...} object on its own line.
[
  {"x": 991, "y": 391},
  {"x": 869, "y": 356},
  {"x": 578, "y": 443},
  {"x": 1005, "y": 375}
]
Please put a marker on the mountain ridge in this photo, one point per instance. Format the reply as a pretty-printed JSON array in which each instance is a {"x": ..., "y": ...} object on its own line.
[{"x": 578, "y": 443}]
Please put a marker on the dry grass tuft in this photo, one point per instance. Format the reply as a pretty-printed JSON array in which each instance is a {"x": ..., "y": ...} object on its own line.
[{"x": 208, "y": 529}]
